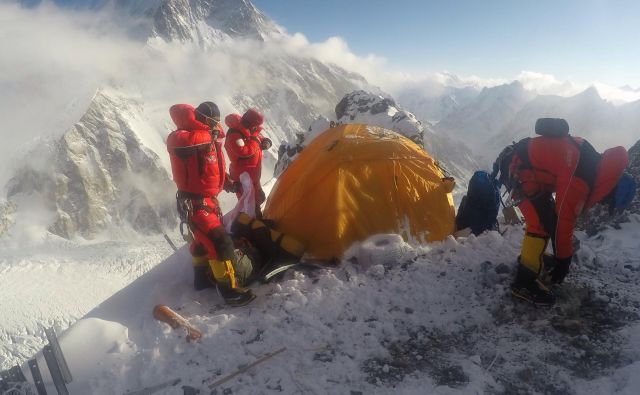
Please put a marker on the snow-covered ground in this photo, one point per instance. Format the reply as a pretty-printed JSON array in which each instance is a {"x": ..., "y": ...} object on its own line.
[
  {"x": 58, "y": 282},
  {"x": 436, "y": 319}
]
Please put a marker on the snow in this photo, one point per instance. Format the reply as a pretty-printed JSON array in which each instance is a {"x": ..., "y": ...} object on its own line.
[
  {"x": 393, "y": 317},
  {"x": 54, "y": 282},
  {"x": 434, "y": 318}
]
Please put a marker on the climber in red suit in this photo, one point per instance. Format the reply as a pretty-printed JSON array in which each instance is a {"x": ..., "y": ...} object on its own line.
[
  {"x": 198, "y": 167},
  {"x": 244, "y": 145},
  {"x": 533, "y": 170}
]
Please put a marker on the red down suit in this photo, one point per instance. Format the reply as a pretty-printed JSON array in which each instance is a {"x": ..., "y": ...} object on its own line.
[
  {"x": 198, "y": 168},
  {"x": 572, "y": 169},
  {"x": 244, "y": 149}
]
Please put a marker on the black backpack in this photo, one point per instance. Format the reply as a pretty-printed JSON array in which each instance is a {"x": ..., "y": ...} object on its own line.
[{"x": 552, "y": 127}]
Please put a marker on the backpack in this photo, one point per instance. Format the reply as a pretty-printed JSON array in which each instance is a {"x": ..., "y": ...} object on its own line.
[{"x": 479, "y": 208}]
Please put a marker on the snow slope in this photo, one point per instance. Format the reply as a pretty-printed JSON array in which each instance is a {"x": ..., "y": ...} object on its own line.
[
  {"x": 54, "y": 282},
  {"x": 438, "y": 320}
]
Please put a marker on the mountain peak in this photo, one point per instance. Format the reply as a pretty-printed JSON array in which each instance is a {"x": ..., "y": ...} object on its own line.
[
  {"x": 200, "y": 21},
  {"x": 629, "y": 88},
  {"x": 591, "y": 93}
]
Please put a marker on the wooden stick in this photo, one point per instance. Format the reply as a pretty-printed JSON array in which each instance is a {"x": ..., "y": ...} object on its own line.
[
  {"x": 165, "y": 314},
  {"x": 244, "y": 369}
]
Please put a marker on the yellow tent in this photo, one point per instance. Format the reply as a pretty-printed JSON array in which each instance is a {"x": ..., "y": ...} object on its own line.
[{"x": 353, "y": 181}]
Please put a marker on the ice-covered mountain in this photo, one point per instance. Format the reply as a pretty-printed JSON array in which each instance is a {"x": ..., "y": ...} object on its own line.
[
  {"x": 375, "y": 109},
  {"x": 234, "y": 66},
  {"x": 506, "y": 113},
  {"x": 588, "y": 115},
  {"x": 97, "y": 175},
  {"x": 437, "y": 104},
  {"x": 634, "y": 170},
  {"x": 486, "y": 115},
  {"x": 200, "y": 21}
]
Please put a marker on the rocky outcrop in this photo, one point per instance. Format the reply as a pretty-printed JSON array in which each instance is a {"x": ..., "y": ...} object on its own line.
[
  {"x": 287, "y": 152},
  {"x": 375, "y": 109},
  {"x": 96, "y": 176}
]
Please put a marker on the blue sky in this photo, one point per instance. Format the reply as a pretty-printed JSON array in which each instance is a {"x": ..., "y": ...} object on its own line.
[{"x": 584, "y": 41}]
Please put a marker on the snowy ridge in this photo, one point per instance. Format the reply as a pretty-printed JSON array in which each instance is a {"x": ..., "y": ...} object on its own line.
[
  {"x": 434, "y": 103},
  {"x": 56, "y": 282},
  {"x": 200, "y": 21},
  {"x": 588, "y": 115},
  {"x": 439, "y": 320},
  {"x": 486, "y": 115},
  {"x": 375, "y": 109}
]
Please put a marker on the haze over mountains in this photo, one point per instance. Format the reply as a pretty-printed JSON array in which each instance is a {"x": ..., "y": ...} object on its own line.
[
  {"x": 190, "y": 55},
  {"x": 498, "y": 115},
  {"x": 137, "y": 58}
]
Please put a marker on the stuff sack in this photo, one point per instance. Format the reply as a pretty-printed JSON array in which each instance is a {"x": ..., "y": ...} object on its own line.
[{"x": 552, "y": 127}]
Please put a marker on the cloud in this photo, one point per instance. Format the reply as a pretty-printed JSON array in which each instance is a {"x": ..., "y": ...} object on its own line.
[
  {"x": 547, "y": 84},
  {"x": 51, "y": 63},
  {"x": 334, "y": 50},
  {"x": 55, "y": 59}
]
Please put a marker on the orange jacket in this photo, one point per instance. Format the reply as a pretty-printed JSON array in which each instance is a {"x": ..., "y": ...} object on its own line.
[
  {"x": 197, "y": 162},
  {"x": 572, "y": 169}
]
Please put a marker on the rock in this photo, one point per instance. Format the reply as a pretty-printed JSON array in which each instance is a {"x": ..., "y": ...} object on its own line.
[
  {"x": 503, "y": 268},
  {"x": 375, "y": 109}
]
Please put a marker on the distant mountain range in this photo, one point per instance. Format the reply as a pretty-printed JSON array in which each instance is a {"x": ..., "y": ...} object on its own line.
[{"x": 498, "y": 115}]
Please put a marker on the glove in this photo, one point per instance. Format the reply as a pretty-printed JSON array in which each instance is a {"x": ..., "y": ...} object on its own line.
[
  {"x": 266, "y": 143},
  {"x": 560, "y": 270},
  {"x": 232, "y": 186}
]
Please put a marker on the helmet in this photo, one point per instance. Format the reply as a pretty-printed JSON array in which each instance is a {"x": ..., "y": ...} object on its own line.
[
  {"x": 623, "y": 193},
  {"x": 209, "y": 109}
]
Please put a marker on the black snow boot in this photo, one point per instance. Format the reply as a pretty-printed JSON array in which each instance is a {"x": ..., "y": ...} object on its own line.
[
  {"x": 235, "y": 297},
  {"x": 528, "y": 287},
  {"x": 202, "y": 278}
]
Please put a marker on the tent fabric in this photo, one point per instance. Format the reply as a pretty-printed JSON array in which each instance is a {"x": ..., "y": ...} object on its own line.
[{"x": 354, "y": 181}]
